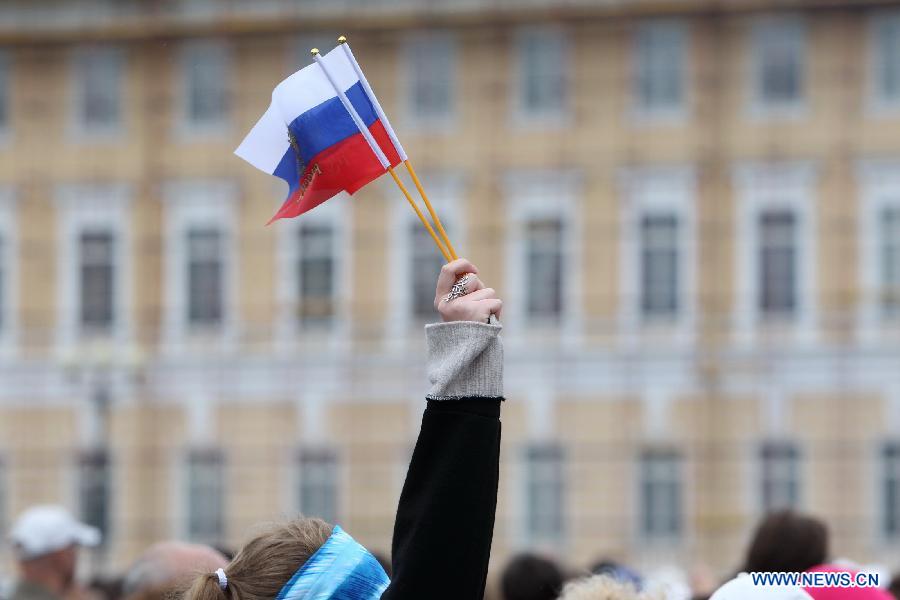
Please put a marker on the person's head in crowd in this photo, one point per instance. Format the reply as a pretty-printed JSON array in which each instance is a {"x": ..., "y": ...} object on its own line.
[
  {"x": 894, "y": 585},
  {"x": 602, "y": 587},
  {"x": 742, "y": 587},
  {"x": 45, "y": 540},
  {"x": 617, "y": 571},
  {"x": 168, "y": 566},
  {"x": 786, "y": 541},
  {"x": 531, "y": 577},
  {"x": 288, "y": 559}
]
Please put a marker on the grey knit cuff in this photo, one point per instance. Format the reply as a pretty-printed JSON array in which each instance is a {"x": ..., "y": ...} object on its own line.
[{"x": 465, "y": 360}]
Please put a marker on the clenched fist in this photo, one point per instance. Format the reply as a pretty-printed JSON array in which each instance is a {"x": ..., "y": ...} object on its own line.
[{"x": 477, "y": 303}]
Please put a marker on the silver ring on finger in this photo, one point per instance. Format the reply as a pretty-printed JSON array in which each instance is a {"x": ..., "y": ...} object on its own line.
[{"x": 459, "y": 289}]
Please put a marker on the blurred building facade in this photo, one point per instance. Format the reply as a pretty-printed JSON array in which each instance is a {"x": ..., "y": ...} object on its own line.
[{"x": 692, "y": 210}]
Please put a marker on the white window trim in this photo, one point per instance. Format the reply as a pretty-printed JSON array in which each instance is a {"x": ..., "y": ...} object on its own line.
[
  {"x": 758, "y": 470},
  {"x": 760, "y": 187},
  {"x": 185, "y": 128},
  {"x": 879, "y": 106},
  {"x": 294, "y": 479},
  {"x": 447, "y": 193},
  {"x": 337, "y": 213},
  {"x": 653, "y": 545},
  {"x": 522, "y": 118},
  {"x": 80, "y": 131},
  {"x": 519, "y": 537},
  {"x": 543, "y": 194},
  {"x": 415, "y": 123},
  {"x": 180, "y": 492},
  {"x": 207, "y": 203},
  {"x": 757, "y": 108},
  {"x": 7, "y": 71},
  {"x": 81, "y": 207},
  {"x": 877, "y": 467},
  {"x": 674, "y": 115},
  {"x": 879, "y": 181},
  {"x": 9, "y": 230},
  {"x": 645, "y": 190}
]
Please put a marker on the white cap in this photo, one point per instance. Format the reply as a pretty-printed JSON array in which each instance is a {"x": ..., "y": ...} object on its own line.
[{"x": 47, "y": 528}]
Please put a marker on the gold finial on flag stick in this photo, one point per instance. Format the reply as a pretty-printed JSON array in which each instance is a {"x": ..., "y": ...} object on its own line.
[
  {"x": 342, "y": 40},
  {"x": 314, "y": 51}
]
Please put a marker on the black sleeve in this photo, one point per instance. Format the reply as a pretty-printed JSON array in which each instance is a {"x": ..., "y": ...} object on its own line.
[{"x": 445, "y": 520}]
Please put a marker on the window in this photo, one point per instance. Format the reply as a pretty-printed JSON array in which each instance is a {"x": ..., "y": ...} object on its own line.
[
  {"x": 94, "y": 489},
  {"x": 97, "y": 274},
  {"x": 779, "y": 64},
  {"x": 890, "y": 459},
  {"x": 205, "y": 487},
  {"x": 4, "y": 284},
  {"x": 98, "y": 102},
  {"x": 206, "y": 90},
  {"x": 780, "y": 466},
  {"x": 659, "y": 71},
  {"x": 777, "y": 263},
  {"x": 544, "y": 265},
  {"x": 5, "y": 89},
  {"x": 318, "y": 493},
  {"x": 205, "y": 286},
  {"x": 890, "y": 261},
  {"x": 316, "y": 273},
  {"x": 4, "y": 495},
  {"x": 661, "y": 491},
  {"x": 544, "y": 510},
  {"x": 542, "y": 73},
  {"x": 886, "y": 71},
  {"x": 659, "y": 265},
  {"x": 432, "y": 74},
  {"x": 425, "y": 266}
]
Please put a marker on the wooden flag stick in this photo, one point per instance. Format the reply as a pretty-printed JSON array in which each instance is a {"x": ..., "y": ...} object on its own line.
[
  {"x": 418, "y": 212},
  {"x": 434, "y": 217}
]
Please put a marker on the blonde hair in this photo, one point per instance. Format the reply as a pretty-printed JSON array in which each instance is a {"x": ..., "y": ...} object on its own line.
[
  {"x": 601, "y": 587},
  {"x": 265, "y": 563}
]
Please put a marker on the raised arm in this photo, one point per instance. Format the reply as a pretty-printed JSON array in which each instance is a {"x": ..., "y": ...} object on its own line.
[{"x": 445, "y": 519}]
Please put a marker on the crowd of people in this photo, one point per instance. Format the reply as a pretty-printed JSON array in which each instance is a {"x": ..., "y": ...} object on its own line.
[
  {"x": 46, "y": 541},
  {"x": 444, "y": 524}
]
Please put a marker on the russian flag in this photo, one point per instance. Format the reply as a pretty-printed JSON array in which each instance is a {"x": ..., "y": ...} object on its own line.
[{"x": 308, "y": 138}]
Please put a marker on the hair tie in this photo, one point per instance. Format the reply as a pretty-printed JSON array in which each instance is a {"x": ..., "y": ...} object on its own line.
[{"x": 223, "y": 579}]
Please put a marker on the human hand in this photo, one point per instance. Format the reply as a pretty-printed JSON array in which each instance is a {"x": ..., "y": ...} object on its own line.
[{"x": 477, "y": 303}]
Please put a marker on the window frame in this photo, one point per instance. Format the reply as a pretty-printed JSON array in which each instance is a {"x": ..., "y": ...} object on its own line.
[
  {"x": 522, "y": 116},
  {"x": 793, "y": 453},
  {"x": 7, "y": 75},
  {"x": 526, "y": 194},
  {"x": 761, "y": 27},
  {"x": 185, "y": 484},
  {"x": 9, "y": 286},
  {"x": 188, "y": 51},
  {"x": 680, "y": 469},
  {"x": 662, "y": 190},
  {"x": 90, "y": 458},
  {"x": 447, "y": 121},
  {"x": 338, "y": 214},
  {"x": 199, "y": 203},
  {"x": 81, "y": 208},
  {"x": 879, "y": 190},
  {"x": 879, "y": 104},
  {"x": 759, "y": 187},
  {"x": 640, "y": 111},
  {"x": 82, "y": 130},
  {"x": 557, "y": 456},
  {"x": 336, "y": 467}
]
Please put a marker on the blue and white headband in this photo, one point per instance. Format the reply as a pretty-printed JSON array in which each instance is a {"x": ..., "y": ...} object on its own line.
[{"x": 340, "y": 570}]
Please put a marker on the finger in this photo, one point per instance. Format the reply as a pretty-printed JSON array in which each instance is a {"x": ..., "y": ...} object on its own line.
[
  {"x": 451, "y": 272},
  {"x": 484, "y": 294},
  {"x": 492, "y": 306}
]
